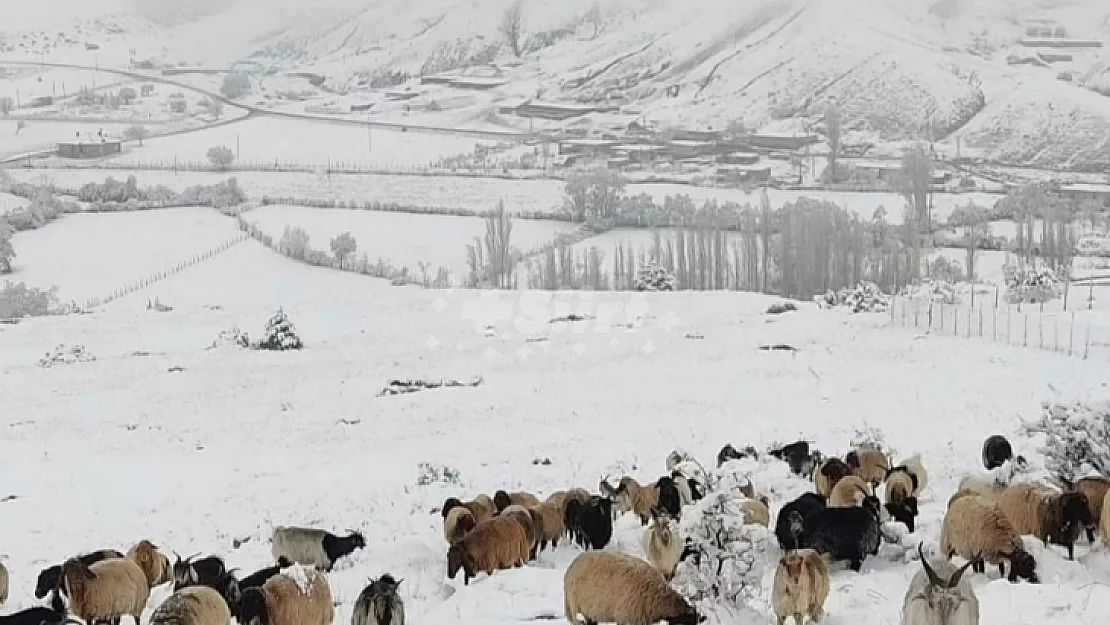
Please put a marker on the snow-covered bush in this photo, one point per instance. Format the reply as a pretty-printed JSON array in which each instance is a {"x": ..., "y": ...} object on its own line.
[
  {"x": 1078, "y": 438},
  {"x": 427, "y": 474},
  {"x": 63, "y": 355},
  {"x": 865, "y": 297},
  {"x": 731, "y": 558},
  {"x": 1031, "y": 284},
  {"x": 231, "y": 338},
  {"x": 654, "y": 277},
  {"x": 279, "y": 334},
  {"x": 870, "y": 438},
  {"x": 928, "y": 289},
  {"x": 17, "y": 300}
]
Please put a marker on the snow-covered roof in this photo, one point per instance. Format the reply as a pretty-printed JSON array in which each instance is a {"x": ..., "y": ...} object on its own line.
[{"x": 1086, "y": 187}]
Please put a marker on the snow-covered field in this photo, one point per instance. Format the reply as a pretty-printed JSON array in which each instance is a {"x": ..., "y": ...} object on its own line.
[
  {"x": 91, "y": 255},
  {"x": 480, "y": 194},
  {"x": 269, "y": 140},
  {"x": 43, "y": 135},
  {"x": 402, "y": 239},
  {"x": 239, "y": 441},
  {"x": 10, "y": 202}
]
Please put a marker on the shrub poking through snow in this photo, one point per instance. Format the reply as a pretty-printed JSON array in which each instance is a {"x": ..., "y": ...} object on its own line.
[
  {"x": 231, "y": 338},
  {"x": 778, "y": 309},
  {"x": 279, "y": 334},
  {"x": 654, "y": 277},
  {"x": 928, "y": 289},
  {"x": 402, "y": 387},
  {"x": 865, "y": 297},
  {"x": 1031, "y": 283},
  {"x": 727, "y": 561},
  {"x": 1078, "y": 438},
  {"x": 427, "y": 474},
  {"x": 63, "y": 355}
]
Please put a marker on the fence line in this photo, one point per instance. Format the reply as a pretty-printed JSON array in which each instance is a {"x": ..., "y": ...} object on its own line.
[
  {"x": 1072, "y": 333},
  {"x": 162, "y": 275}
]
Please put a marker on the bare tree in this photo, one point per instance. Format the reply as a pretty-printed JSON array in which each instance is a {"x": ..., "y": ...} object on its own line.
[
  {"x": 498, "y": 241},
  {"x": 344, "y": 245},
  {"x": 137, "y": 133},
  {"x": 917, "y": 174},
  {"x": 594, "y": 194},
  {"x": 236, "y": 84},
  {"x": 832, "y": 133},
  {"x": 7, "y": 252},
  {"x": 220, "y": 156},
  {"x": 593, "y": 16},
  {"x": 127, "y": 95},
  {"x": 6, "y": 105},
  {"x": 975, "y": 226},
  {"x": 511, "y": 26}
]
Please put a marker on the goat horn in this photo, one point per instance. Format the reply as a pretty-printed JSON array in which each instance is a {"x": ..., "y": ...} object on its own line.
[
  {"x": 933, "y": 579},
  {"x": 955, "y": 579}
]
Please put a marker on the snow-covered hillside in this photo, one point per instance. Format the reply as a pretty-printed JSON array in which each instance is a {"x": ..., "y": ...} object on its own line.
[
  {"x": 898, "y": 70},
  {"x": 160, "y": 438}
]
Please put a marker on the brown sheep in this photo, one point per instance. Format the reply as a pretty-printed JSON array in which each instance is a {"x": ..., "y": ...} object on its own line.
[
  {"x": 531, "y": 522},
  {"x": 155, "y": 566},
  {"x": 756, "y": 511},
  {"x": 458, "y": 522},
  {"x": 848, "y": 492},
  {"x": 1047, "y": 514},
  {"x": 193, "y": 605},
  {"x": 299, "y": 595},
  {"x": 832, "y": 471},
  {"x": 801, "y": 586},
  {"x": 869, "y": 464},
  {"x": 493, "y": 545},
  {"x": 502, "y": 500},
  {"x": 900, "y": 502},
  {"x": 482, "y": 507},
  {"x": 552, "y": 523},
  {"x": 915, "y": 468},
  {"x": 974, "y": 528},
  {"x": 1104, "y": 521},
  {"x": 1095, "y": 488},
  {"x": 663, "y": 543},
  {"x": 607, "y": 587},
  {"x": 639, "y": 499},
  {"x": 106, "y": 590},
  {"x": 3, "y": 583}
]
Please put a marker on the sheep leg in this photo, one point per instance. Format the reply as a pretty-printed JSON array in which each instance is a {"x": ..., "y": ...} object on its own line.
[
  {"x": 817, "y": 613},
  {"x": 1091, "y": 535},
  {"x": 782, "y": 620},
  {"x": 979, "y": 566},
  {"x": 856, "y": 565},
  {"x": 1071, "y": 551},
  {"x": 799, "y": 618}
]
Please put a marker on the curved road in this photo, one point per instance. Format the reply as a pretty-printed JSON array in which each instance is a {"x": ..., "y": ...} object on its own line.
[{"x": 254, "y": 110}]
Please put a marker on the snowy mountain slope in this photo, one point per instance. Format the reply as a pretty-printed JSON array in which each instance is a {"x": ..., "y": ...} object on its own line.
[{"x": 239, "y": 441}]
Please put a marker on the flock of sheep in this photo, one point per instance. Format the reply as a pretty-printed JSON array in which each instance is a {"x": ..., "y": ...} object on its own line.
[{"x": 841, "y": 520}]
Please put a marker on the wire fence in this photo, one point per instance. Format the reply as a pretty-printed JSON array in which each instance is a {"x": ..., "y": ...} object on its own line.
[
  {"x": 162, "y": 275},
  {"x": 1075, "y": 333}
]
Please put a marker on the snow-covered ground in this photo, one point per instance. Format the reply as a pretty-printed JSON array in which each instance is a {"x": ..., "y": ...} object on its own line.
[
  {"x": 10, "y": 202},
  {"x": 405, "y": 240},
  {"x": 236, "y": 441},
  {"x": 91, "y": 255},
  {"x": 479, "y": 194},
  {"x": 268, "y": 140}
]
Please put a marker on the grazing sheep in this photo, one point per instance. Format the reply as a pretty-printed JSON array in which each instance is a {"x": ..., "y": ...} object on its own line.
[
  {"x": 996, "y": 451},
  {"x": 606, "y": 587},
  {"x": 50, "y": 578},
  {"x": 300, "y": 595},
  {"x": 379, "y": 603},
  {"x": 3, "y": 584},
  {"x": 456, "y": 523},
  {"x": 869, "y": 464},
  {"x": 195, "y": 605},
  {"x": 529, "y": 521},
  {"x": 34, "y": 616},
  {"x": 482, "y": 507},
  {"x": 788, "y": 524},
  {"x": 1104, "y": 520},
  {"x": 155, "y": 566},
  {"x": 106, "y": 590},
  {"x": 848, "y": 492},
  {"x": 1095, "y": 489},
  {"x": 797, "y": 455},
  {"x": 831, "y": 471},
  {"x": 1047, "y": 514},
  {"x": 916, "y": 470},
  {"x": 636, "y": 498},
  {"x": 669, "y": 497},
  {"x": 502, "y": 500},
  {"x": 493, "y": 545},
  {"x": 844, "y": 533},
  {"x": 552, "y": 524},
  {"x": 801, "y": 586},
  {"x": 663, "y": 543},
  {"x": 259, "y": 577},
  {"x": 756, "y": 512},
  {"x": 590, "y": 524},
  {"x": 208, "y": 571},
  {"x": 977, "y": 528},
  {"x": 901, "y": 504},
  {"x": 728, "y": 452},
  {"x": 314, "y": 547},
  {"x": 940, "y": 595}
]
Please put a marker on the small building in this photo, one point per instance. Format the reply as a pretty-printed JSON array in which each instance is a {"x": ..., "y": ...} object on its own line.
[
  {"x": 781, "y": 142},
  {"x": 686, "y": 148},
  {"x": 42, "y": 101},
  {"x": 593, "y": 147},
  {"x": 1086, "y": 192},
  {"x": 743, "y": 174},
  {"x": 557, "y": 112},
  {"x": 361, "y": 107},
  {"x": 92, "y": 149},
  {"x": 638, "y": 153},
  {"x": 738, "y": 158}
]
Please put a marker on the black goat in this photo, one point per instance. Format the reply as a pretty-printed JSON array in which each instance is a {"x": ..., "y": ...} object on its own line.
[
  {"x": 590, "y": 524},
  {"x": 33, "y": 616},
  {"x": 50, "y": 578},
  {"x": 996, "y": 451},
  {"x": 728, "y": 452},
  {"x": 669, "y": 498},
  {"x": 789, "y": 523},
  {"x": 259, "y": 577},
  {"x": 209, "y": 571},
  {"x": 845, "y": 533},
  {"x": 797, "y": 454}
]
